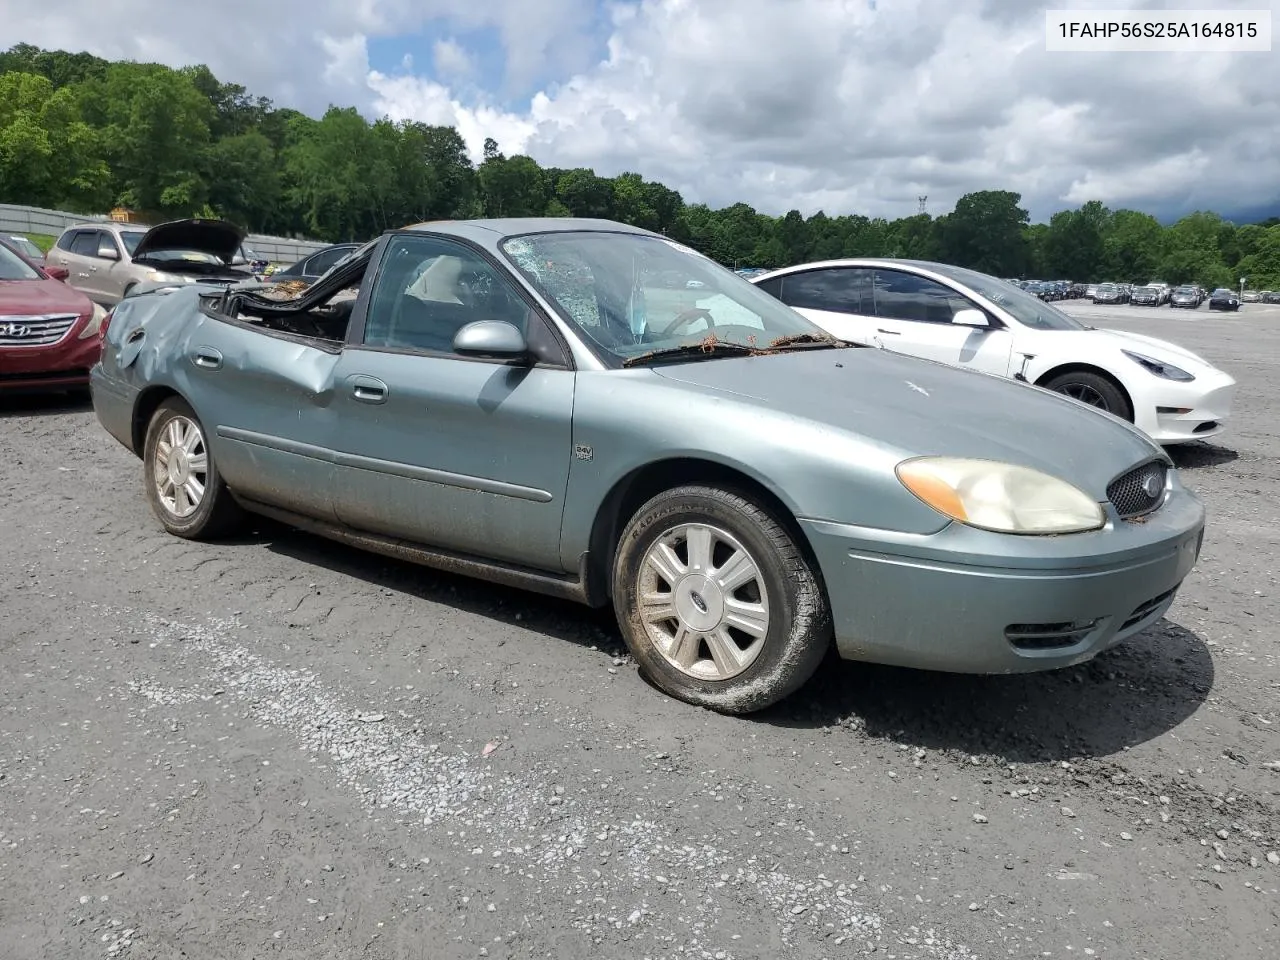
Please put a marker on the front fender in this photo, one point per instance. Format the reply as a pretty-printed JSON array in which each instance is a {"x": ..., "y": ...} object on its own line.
[{"x": 623, "y": 423}]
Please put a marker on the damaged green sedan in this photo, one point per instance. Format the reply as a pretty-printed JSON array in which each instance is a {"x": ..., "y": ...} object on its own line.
[{"x": 593, "y": 411}]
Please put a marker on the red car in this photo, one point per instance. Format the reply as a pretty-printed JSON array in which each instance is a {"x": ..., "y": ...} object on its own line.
[{"x": 49, "y": 333}]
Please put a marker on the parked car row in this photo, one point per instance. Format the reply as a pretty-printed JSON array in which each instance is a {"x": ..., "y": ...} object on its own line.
[
  {"x": 1051, "y": 289},
  {"x": 1156, "y": 293},
  {"x": 818, "y": 489}
]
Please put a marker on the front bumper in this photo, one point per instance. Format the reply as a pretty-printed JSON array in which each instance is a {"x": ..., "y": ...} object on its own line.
[
  {"x": 1181, "y": 412},
  {"x": 62, "y": 364},
  {"x": 967, "y": 601}
]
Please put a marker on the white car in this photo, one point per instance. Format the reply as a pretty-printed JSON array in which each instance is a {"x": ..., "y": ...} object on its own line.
[{"x": 968, "y": 319}]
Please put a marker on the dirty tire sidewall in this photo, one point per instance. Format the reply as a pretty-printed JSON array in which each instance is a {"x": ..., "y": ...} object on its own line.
[
  {"x": 799, "y": 633},
  {"x": 218, "y": 514}
]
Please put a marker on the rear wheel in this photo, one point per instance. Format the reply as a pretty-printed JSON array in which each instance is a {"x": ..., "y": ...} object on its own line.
[
  {"x": 716, "y": 601},
  {"x": 183, "y": 485},
  {"x": 1093, "y": 389}
]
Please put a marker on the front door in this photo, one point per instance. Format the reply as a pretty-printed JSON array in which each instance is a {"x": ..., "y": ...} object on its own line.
[
  {"x": 463, "y": 454},
  {"x": 919, "y": 312}
]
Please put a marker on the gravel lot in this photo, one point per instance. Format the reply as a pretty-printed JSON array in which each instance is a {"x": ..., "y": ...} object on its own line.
[{"x": 279, "y": 747}]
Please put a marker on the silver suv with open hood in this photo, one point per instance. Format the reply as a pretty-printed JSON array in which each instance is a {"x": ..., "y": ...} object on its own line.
[{"x": 106, "y": 261}]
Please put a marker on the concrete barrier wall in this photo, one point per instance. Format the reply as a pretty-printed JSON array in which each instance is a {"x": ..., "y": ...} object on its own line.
[{"x": 16, "y": 218}]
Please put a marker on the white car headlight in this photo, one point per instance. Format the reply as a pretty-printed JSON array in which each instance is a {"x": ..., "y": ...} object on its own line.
[
  {"x": 95, "y": 322},
  {"x": 1001, "y": 497},
  {"x": 1159, "y": 368},
  {"x": 159, "y": 276}
]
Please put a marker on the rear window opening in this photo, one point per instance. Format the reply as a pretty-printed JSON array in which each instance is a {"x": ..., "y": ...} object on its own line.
[{"x": 318, "y": 311}]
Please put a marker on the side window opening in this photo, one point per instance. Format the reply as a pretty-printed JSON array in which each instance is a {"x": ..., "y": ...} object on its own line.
[
  {"x": 85, "y": 243},
  {"x": 429, "y": 288},
  {"x": 836, "y": 290},
  {"x": 282, "y": 308},
  {"x": 906, "y": 296}
]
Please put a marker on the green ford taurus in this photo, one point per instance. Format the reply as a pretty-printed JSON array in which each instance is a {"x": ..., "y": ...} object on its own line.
[{"x": 593, "y": 411}]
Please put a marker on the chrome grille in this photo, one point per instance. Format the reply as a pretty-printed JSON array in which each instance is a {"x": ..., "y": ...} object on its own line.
[
  {"x": 1139, "y": 491},
  {"x": 37, "y": 331}
]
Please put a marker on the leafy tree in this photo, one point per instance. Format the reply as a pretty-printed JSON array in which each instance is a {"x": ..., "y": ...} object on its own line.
[
  {"x": 1133, "y": 247},
  {"x": 242, "y": 177},
  {"x": 1074, "y": 244},
  {"x": 631, "y": 202},
  {"x": 585, "y": 194},
  {"x": 512, "y": 187},
  {"x": 1262, "y": 267},
  {"x": 987, "y": 232}
]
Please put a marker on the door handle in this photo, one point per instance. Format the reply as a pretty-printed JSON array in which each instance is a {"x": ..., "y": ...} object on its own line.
[
  {"x": 896, "y": 333},
  {"x": 368, "y": 389},
  {"x": 207, "y": 357}
]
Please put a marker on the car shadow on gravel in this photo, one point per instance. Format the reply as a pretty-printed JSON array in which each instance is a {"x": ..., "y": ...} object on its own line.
[
  {"x": 1194, "y": 456},
  {"x": 1131, "y": 694},
  {"x": 561, "y": 619},
  {"x": 42, "y": 404}
]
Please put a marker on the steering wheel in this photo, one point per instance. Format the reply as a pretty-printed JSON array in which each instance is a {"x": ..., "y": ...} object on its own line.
[{"x": 686, "y": 317}]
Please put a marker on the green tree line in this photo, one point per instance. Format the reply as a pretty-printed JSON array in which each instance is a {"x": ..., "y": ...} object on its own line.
[{"x": 85, "y": 134}]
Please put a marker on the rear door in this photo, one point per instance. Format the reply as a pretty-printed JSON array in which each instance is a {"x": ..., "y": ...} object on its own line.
[
  {"x": 838, "y": 299},
  {"x": 267, "y": 399},
  {"x": 85, "y": 264}
]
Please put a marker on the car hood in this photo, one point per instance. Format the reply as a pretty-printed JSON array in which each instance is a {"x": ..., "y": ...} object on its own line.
[
  {"x": 921, "y": 408},
  {"x": 217, "y": 237},
  {"x": 34, "y": 297},
  {"x": 1149, "y": 346}
]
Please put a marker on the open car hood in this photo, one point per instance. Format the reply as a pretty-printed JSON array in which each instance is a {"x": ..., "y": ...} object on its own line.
[{"x": 217, "y": 237}]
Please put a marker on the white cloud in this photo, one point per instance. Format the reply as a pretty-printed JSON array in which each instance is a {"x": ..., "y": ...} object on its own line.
[
  {"x": 413, "y": 98},
  {"x": 840, "y": 104},
  {"x": 451, "y": 60},
  {"x": 348, "y": 59}
]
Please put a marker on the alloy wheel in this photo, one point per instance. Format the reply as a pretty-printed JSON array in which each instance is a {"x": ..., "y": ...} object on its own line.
[
  {"x": 181, "y": 467},
  {"x": 703, "y": 601}
]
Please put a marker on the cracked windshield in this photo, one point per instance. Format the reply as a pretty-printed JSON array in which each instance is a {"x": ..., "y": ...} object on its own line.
[{"x": 635, "y": 295}]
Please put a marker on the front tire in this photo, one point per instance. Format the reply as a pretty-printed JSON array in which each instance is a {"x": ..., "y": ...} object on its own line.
[
  {"x": 181, "y": 478},
  {"x": 716, "y": 601},
  {"x": 1093, "y": 389}
]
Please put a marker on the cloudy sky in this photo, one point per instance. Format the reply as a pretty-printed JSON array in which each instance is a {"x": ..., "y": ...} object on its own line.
[{"x": 842, "y": 105}]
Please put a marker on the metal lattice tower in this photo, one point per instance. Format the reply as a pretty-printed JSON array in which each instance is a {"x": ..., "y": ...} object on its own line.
[{"x": 922, "y": 204}]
